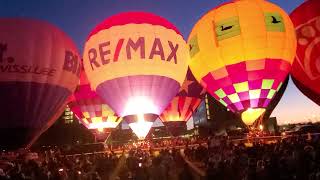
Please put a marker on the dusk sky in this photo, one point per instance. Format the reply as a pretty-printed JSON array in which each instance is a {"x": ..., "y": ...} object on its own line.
[{"x": 78, "y": 17}]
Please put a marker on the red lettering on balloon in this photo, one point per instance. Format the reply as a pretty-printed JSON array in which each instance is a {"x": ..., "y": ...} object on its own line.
[
  {"x": 4, "y": 68},
  {"x": 25, "y": 69},
  {"x": 135, "y": 46},
  {"x": 70, "y": 62},
  {"x": 157, "y": 49},
  {"x": 118, "y": 49},
  {"x": 173, "y": 53},
  {"x": 3, "y": 49},
  {"x": 52, "y": 71},
  {"x": 138, "y": 46},
  {"x": 104, "y": 52},
  {"x": 92, "y": 54}
]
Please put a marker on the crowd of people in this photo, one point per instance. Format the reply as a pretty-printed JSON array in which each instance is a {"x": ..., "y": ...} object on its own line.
[
  {"x": 134, "y": 164},
  {"x": 288, "y": 159},
  {"x": 52, "y": 165},
  {"x": 160, "y": 143},
  {"x": 167, "y": 165},
  {"x": 219, "y": 158}
]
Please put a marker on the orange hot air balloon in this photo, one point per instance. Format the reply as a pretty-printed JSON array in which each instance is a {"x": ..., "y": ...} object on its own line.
[
  {"x": 241, "y": 52},
  {"x": 181, "y": 108},
  {"x": 39, "y": 69},
  {"x": 136, "y": 62},
  {"x": 90, "y": 109},
  {"x": 306, "y": 66}
]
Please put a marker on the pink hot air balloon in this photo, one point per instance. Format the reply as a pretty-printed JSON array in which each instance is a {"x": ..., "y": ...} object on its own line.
[
  {"x": 39, "y": 69},
  {"x": 91, "y": 111},
  {"x": 136, "y": 62}
]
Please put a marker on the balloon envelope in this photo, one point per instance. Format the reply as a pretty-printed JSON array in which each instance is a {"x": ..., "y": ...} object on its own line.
[
  {"x": 306, "y": 66},
  {"x": 136, "y": 62},
  {"x": 90, "y": 108},
  {"x": 265, "y": 118},
  {"x": 241, "y": 52},
  {"x": 181, "y": 108},
  {"x": 39, "y": 69},
  {"x": 47, "y": 125},
  {"x": 275, "y": 101}
]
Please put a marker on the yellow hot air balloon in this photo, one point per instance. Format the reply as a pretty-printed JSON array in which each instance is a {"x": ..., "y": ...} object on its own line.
[
  {"x": 241, "y": 52},
  {"x": 136, "y": 62}
]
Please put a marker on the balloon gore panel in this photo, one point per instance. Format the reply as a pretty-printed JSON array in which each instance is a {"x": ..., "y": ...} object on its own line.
[{"x": 26, "y": 108}]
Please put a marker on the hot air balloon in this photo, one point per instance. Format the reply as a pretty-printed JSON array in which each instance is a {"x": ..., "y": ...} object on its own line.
[
  {"x": 306, "y": 66},
  {"x": 241, "y": 52},
  {"x": 55, "y": 117},
  {"x": 275, "y": 100},
  {"x": 91, "y": 111},
  {"x": 183, "y": 105},
  {"x": 136, "y": 62},
  {"x": 39, "y": 69},
  {"x": 273, "y": 104}
]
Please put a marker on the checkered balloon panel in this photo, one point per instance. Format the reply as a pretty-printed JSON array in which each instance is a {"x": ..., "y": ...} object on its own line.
[{"x": 248, "y": 84}]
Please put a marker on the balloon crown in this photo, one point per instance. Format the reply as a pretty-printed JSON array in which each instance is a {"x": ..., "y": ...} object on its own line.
[{"x": 133, "y": 17}]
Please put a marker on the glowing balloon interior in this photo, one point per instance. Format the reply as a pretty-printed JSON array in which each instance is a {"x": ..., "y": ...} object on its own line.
[
  {"x": 141, "y": 127},
  {"x": 251, "y": 115},
  {"x": 241, "y": 52}
]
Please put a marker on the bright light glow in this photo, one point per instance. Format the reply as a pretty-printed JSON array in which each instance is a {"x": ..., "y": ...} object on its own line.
[
  {"x": 102, "y": 125},
  {"x": 141, "y": 128},
  {"x": 140, "y": 105},
  {"x": 100, "y": 129},
  {"x": 261, "y": 127},
  {"x": 173, "y": 118},
  {"x": 251, "y": 115}
]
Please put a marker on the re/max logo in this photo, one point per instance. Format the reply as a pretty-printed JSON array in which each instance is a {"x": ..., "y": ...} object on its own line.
[{"x": 103, "y": 55}]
